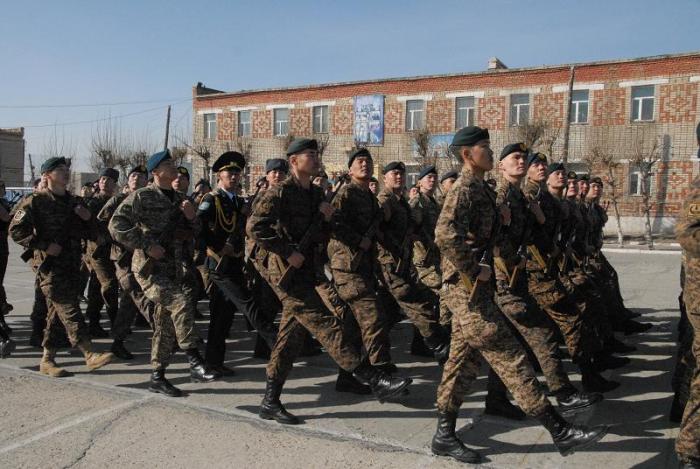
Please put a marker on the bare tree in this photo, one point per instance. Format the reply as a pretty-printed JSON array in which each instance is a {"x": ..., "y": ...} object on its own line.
[
  {"x": 58, "y": 145},
  {"x": 423, "y": 141},
  {"x": 538, "y": 134},
  {"x": 287, "y": 140},
  {"x": 107, "y": 146},
  {"x": 603, "y": 151},
  {"x": 645, "y": 154},
  {"x": 323, "y": 142}
]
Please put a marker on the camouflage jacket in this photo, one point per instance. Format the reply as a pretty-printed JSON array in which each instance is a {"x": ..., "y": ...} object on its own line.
[
  {"x": 425, "y": 211},
  {"x": 514, "y": 234},
  {"x": 147, "y": 217},
  {"x": 44, "y": 218},
  {"x": 397, "y": 225},
  {"x": 357, "y": 210},
  {"x": 465, "y": 225},
  {"x": 117, "y": 252},
  {"x": 688, "y": 234},
  {"x": 99, "y": 248}
]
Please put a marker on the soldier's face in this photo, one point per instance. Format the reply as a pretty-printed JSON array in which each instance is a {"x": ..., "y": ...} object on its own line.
[
  {"x": 537, "y": 171},
  {"x": 107, "y": 185},
  {"x": 166, "y": 172},
  {"x": 482, "y": 155},
  {"x": 373, "y": 187},
  {"x": 59, "y": 175},
  {"x": 447, "y": 185},
  {"x": 571, "y": 188},
  {"x": 361, "y": 168},
  {"x": 595, "y": 191},
  {"x": 306, "y": 162},
  {"x": 229, "y": 180},
  {"x": 513, "y": 165},
  {"x": 274, "y": 177},
  {"x": 583, "y": 187},
  {"x": 181, "y": 183},
  {"x": 556, "y": 179},
  {"x": 394, "y": 179},
  {"x": 427, "y": 183},
  {"x": 136, "y": 181}
]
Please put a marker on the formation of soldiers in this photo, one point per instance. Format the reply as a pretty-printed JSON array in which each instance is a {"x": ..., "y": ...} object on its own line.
[{"x": 506, "y": 274}]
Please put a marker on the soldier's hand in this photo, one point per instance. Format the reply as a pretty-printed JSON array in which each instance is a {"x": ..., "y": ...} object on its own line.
[
  {"x": 82, "y": 212},
  {"x": 505, "y": 215},
  {"x": 188, "y": 210},
  {"x": 606, "y": 205},
  {"x": 156, "y": 251},
  {"x": 296, "y": 260},
  {"x": 54, "y": 249},
  {"x": 365, "y": 244},
  {"x": 484, "y": 273},
  {"x": 327, "y": 210},
  {"x": 537, "y": 212}
]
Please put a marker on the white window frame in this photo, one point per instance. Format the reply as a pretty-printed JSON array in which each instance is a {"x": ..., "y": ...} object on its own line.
[
  {"x": 470, "y": 111},
  {"x": 210, "y": 129},
  {"x": 638, "y": 103},
  {"x": 635, "y": 171},
  {"x": 320, "y": 127},
  {"x": 575, "y": 104},
  {"x": 411, "y": 115},
  {"x": 280, "y": 127},
  {"x": 518, "y": 110},
  {"x": 245, "y": 129}
]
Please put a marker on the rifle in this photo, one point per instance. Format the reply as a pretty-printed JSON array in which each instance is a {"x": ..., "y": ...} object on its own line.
[
  {"x": 370, "y": 234},
  {"x": 167, "y": 234},
  {"x": 308, "y": 238},
  {"x": 486, "y": 260}
]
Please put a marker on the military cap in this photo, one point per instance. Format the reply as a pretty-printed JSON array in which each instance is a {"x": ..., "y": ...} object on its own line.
[
  {"x": 572, "y": 175},
  {"x": 556, "y": 167},
  {"x": 533, "y": 157},
  {"x": 449, "y": 175},
  {"x": 87, "y": 184},
  {"x": 139, "y": 168},
  {"x": 298, "y": 145},
  {"x": 394, "y": 165},
  {"x": 157, "y": 158},
  {"x": 512, "y": 148},
  {"x": 358, "y": 152},
  {"x": 203, "y": 182},
  {"x": 53, "y": 163},
  {"x": 427, "y": 170},
  {"x": 110, "y": 173},
  {"x": 229, "y": 161},
  {"x": 468, "y": 136},
  {"x": 276, "y": 164},
  {"x": 183, "y": 171},
  {"x": 373, "y": 179},
  {"x": 597, "y": 180},
  {"x": 584, "y": 177}
]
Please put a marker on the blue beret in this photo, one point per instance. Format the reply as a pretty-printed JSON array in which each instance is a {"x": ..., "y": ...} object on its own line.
[
  {"x": 110, "y": 173},
  {"x": 157, "y": 158},
  {"x": 298, "y": 145},
  {"x": 534, "y": 156},
  {"x": 276, "y": 164},
  {"x": 231, "y": 160},
  {"x": 512, "y": 148},
  {"x": 449, "y": 175},
  {"x": 556, "y": 167},
  {"x": 468, "y": 136},
  {"x": 358, "y": 152},
  {"x": 394, "y": 165},
  {"x": 53, "y": 163},
  {"x": 140, "y": 168},
  {"x": 427, "y": 170}
]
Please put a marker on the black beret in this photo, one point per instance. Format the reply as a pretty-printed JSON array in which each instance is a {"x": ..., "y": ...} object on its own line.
[
  {"x": 427, "y": 170},
  {"x": 276, "y": 164},
  {"x": 572, "y": 175},
  {"x": 182, "y": 170},
  {"x": 157, "y": 158},
  {"x": 394, "y": 165},
  {"x": 584, "y": 177},
  {"x": 231, "y": 160},
  {"x": 596, "y": 180},
  {"x": 204, "y": 182},
  {"x": 298, "y": 145},
  {"x": 53, "y": 163},
  {"x": 110, "y": 173},
  {"x": 87, "y": 184},
  {"x": 358, "y": 152},
  {"x": 139, "y": 168},
  {"x": 556, "y": 167},
  {"x": 373, "y": 179},
  {"x": 468, "y": 136},
  {"x": 512, "y": 148},
  {"x": 533, "y": 157},
  {"x": 449, "y": 175}
]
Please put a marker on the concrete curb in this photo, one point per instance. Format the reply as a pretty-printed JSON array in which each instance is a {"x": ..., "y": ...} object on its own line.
[{"x": 642, "y": 251}]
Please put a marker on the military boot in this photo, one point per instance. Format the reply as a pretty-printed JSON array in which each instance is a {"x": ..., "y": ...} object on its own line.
[
  {"x": 568, "y": 437},
  {"x": 94, "y": 360},
  {"x": 96, "y": 331},
  {"x": 446, "y": 443},
  {"x": 603, "y": 361},
  {"x": 120, "y": 351},
  {"x": 418, "y": 345},
  {"x": 571, "y": 400},
  {"x": 439, "y": 345},
  {"x": 346, "y": 382},
  {"x": 48, "y": 365},
  {"x": 161, "y": 385},
  {"x": 497, "y": 402},
  {"x": 4, "y": 326},
  {"x": 199, "y": 372},
  {"x": 591, "y": 380},
  {"x": 7, "y": 346},
  {"x": 271, "y": 407},
  {"x": 383, "y": 386}
]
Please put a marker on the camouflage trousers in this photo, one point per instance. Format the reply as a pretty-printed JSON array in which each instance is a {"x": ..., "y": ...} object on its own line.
[
  {"x": 479, "y": 328},
  {"x": 535, "y": 328},
  {"x": 104, "y": 271},
  {"x": 582, "y": 289},
  {"x": 688, "y": 441},
  {"x": 131, "y": 301},
  {"x": 430, "y": 276},
  {"x": 685, "y": 366},
  {"x": 60, "y": 291},
  {"x": 173, "y": 295}
]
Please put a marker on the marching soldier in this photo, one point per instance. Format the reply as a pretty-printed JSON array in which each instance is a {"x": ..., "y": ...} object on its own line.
[
  {"x": 158, "y": 224},
  {"x": 446, "y": 182},
  {"x": 52, "y": 223},
  {"x": 286, "y": 226},
  {"x": 181, "y": 183},
  {"x": 465, "y": 233}
]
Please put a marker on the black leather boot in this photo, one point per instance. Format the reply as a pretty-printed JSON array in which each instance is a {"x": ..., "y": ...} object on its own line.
[
  {"x": 96, "y": 331},
  {"x": 497, "y": 402},
  {"x": 446, "y": 443},
  {"x": 592, "y": 381},
  {"x": 271, "y": 408},
  {"x": 568, "y": 437},
  {"x": 7, "y": 346},
  {"x": 199, "y": 373},
  {"x": 571, "y": 400},
  {"x": 439, "y": 345},
  {"x": 4, "y": 326},
  {"x": 161, "y": 385},
  {"x": 630, "y": 327},
  {"x": 383, "y": 386},
  {"x": 120, "y": 351},
  {"x": 346, "y": 382},
  {"x": 418, "y": 345}
]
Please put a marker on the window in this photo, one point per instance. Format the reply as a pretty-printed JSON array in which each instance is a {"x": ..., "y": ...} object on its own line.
[
  {"x": 244, "y": 123},
  {"x": 642, "y": 103},
  {"x": 415, "y": 110},
  {"x": 519, "y": 109},
  {"x": 464, "y": 111},
  {"x": 635, "y": 179},
  {"x": 281, "y": 122},
  {"x": 209, "y": 125},
  {"x": 320, "y": 116},
  {"x": 579, "y": 107}
]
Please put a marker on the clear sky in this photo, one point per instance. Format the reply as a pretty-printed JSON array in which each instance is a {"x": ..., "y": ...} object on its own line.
[{"x": 150, "y": 53}]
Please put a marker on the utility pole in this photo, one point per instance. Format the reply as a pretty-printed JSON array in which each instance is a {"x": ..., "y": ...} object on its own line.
[
  {"x": 31, "y": 168},
  {"x": 167, "y": 129},
  {"x": 567, "y": 117}
]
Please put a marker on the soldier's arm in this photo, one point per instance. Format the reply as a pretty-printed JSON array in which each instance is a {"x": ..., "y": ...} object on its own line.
[
  {"x": 124, "y": 228},
  {"x": 107, "y": 211},
  {"x": 688, "y": 226},
  {"x": 452, "y": 232},
  {"x": 206, "y": 213},
  {"x": 22, "y": 228},
  {"x": 343, "y": 226},
  {"x": 262, "y": 222},
  {"x": 416, "y": 210}
]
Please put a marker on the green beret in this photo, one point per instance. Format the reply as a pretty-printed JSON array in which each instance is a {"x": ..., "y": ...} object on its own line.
[
  {"x": 584, "y": 177},
  {"x": 276, "y": 164},
  {"x": 536, "y": 157},
  {"x": 449, "y": 175},
  {"x": 394, "y": 165},
  {"x": 512, "y": 148},
  {"x": 427, "y": 170},
  {"x": 357, "y": 152},
  {"x": 469, "y": 136},
  {"x": 298, "y": 145},
  {"x": 230, "y": 160},
  {"x": 555, "y": 167},
  {"x": 110, "y": 173},
  {"x": 157, "y": 158},
  {"x": 53, "y": 163},
  {"x": 138, "y": 169},
  {"x": 182, "y": 170},
  {"x": 373, "y": 179}
]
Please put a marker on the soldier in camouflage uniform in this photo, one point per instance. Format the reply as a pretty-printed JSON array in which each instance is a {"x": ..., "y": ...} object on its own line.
[
  {"x": 286, "y": 226},
  {"x": 465, "y": 234},
  {"x": 158, "y": 224},
  {"x": 52, "y": 224},
  {"x": 131, "y": 297},
  {"x": 688, "y": 234}
]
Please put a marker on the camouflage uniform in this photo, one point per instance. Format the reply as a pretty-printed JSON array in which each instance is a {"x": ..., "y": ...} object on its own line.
[
  {"x": 148, "y": 216},
  {"x": 278, "y": 222},
  {"x": 356, "y": 211},
  {"x": 463, "y": 231},
  {"x": 688, "y": 233}
]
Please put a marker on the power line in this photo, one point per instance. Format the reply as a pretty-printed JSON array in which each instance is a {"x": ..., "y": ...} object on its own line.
[{"x": 55, "y": 106}]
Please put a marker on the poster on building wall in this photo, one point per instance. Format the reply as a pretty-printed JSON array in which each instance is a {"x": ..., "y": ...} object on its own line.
[{"x": 369, "y": 120}]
